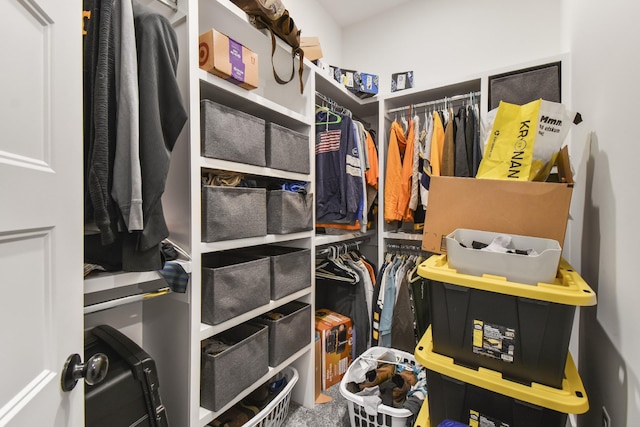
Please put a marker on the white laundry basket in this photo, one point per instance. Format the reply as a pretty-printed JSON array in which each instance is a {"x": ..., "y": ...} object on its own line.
[
  {"x": 276, "y": 411},
  {"x": 387, "y": 416}
]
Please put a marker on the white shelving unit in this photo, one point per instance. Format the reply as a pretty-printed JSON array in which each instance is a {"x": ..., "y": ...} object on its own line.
[{"x": 281, "y": 104}]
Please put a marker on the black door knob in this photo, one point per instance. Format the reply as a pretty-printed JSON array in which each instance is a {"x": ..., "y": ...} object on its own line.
[{"x": 94, "y": 371}]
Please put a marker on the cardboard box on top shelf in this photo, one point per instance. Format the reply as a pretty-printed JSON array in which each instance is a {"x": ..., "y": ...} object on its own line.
[
  {"x": 348, "y": 78},
  {"x": 363, "y": 85},
  {"x": 228, "y": 59},
  {"x": 311, "y": 47},
  {"x": 401, "y": 81},
  {"x": 536, "y": 209},
  {"x": 336, "y": 340}
]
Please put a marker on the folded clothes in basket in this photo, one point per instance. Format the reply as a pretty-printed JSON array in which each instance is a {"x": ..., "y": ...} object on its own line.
[
  {"x": 394, "y": 384},
  {"x": 360, "y": 369},
  {"x": 379, "y": 375},
  {"x": 399, "y": 399}
]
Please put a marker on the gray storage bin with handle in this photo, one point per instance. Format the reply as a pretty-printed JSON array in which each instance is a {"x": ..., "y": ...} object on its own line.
[
  {"x": 233, "y": 213},
  {"x": 231, "y": 362},
  {"x": 232, "y": 284},
  {"x": 289, "y": 330},
  {"x": 290, "y": 268},
  {"x": 229, "y": 134},
  {"x": 286, "y": 149},
  {"x": 289, "y": 212}
]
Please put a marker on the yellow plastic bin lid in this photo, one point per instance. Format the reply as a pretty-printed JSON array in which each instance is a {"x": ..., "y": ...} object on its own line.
[
  {"x": 423, "y": 416},
  {"x": 570, "y": 399},
  {"x": 569, "y": 287}
]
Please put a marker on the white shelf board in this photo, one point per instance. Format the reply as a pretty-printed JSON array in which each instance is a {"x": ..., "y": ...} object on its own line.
[
  {"x": 416, "y": 95},
  {"x": 102, "y": 281},
  {"x": 209, "y": 163},
  {"x": 207, "y": 331},
  {"x": 253, "y": 241},
  {"x": 328, "y": 239},
  {"x": 402, "y": 236},
  {"x": 224, "y": 92}
]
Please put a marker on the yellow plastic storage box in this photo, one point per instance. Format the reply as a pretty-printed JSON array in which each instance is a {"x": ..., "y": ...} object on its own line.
[
  {"x": 483, "y": 397},
  {"x": 423, "y": 420},
  {"x": 520, "y": 330}
]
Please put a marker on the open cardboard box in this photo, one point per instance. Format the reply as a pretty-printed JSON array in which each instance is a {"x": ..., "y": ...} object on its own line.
[
  {"x": 536, "y": 209},
  {"x": 311, "y": 47}
]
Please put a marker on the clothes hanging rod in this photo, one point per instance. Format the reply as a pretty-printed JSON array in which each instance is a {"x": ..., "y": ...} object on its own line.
[
  {"x": 333, "y": 103},
  {"x": 437, "y": 101},
  {"x": 125, "y": 300},
  {"x": 349, "y": 244},
  {"x": 400, "y": 248},
  {"x": 326, "y": 98},
  {"x": 344, "y": 109}
]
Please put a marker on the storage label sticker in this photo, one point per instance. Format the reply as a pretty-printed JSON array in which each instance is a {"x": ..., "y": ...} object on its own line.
[
  {"x": 476, "y": 419},
  {"x": 493, "y": 340}
]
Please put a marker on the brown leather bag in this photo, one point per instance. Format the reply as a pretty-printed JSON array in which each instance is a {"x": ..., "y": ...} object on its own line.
[{"x": 279, "y": 23}]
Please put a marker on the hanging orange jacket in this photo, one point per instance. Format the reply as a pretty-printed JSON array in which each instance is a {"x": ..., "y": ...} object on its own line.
[
  {"x": 372, "y": 173},
  {"x": 397, "y": 184}
]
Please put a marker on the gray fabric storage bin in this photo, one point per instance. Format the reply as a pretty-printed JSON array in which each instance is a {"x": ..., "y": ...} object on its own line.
[
  {"x": 232, "y": 284},
  {"x": 286, "y": 149},
  {"x": 288, "y": 334},
  {"x": 289, "y": 212},
  {"x": 290, "y": 268},
  {"x": 233, "y": 213},
  {"x": 229, "y": 134},
  {"x": 226, "y": 374}
]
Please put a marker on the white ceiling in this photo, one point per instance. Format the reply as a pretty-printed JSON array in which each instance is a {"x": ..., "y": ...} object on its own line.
[{"x": 347, "y": 12}]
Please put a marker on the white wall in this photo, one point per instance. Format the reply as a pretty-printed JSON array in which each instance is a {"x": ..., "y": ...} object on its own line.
[
  {"x": 444, "y": 42},
  {"x": 605, "y": 86}
]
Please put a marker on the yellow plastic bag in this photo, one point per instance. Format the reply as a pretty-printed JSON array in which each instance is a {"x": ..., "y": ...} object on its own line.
[{"x": 524, "y": 141}]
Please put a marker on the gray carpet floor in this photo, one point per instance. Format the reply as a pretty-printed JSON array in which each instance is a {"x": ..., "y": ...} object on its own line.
[{"x": 331, "y": 414}]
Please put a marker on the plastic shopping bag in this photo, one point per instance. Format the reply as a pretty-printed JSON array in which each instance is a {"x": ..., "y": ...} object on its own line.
[{"x": 524, "y": 140}]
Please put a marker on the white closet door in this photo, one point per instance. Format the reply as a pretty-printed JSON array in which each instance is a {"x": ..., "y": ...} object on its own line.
[{"x": 41, "y": 294}]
